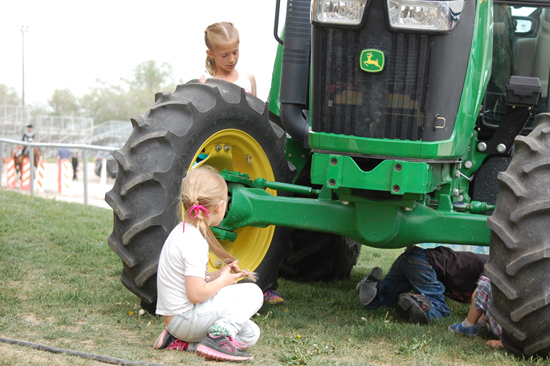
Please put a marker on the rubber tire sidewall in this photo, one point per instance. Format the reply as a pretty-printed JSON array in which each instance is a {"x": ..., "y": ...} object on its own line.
[{"x": 518, "y": 267}]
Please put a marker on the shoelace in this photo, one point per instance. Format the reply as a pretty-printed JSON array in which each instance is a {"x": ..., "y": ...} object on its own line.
[
  {"x": 237, "y": 344},
  {"x": 179, "y": 345}
]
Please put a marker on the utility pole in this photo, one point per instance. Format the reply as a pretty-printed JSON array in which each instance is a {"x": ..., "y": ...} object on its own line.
[{"x": 24, "y": 29}]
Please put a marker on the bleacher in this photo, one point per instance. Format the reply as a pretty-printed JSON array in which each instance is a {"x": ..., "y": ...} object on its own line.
[{"x": 60, "y": 129}]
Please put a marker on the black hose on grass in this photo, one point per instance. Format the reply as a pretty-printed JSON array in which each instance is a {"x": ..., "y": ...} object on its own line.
[{"x": 91, "y": 356}]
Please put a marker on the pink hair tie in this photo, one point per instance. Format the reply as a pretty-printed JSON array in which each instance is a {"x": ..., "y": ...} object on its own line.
[{"x": 197, "y": 209}]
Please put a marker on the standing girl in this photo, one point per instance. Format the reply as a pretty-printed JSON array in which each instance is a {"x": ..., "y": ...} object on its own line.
[
  {"x": 222, "y": 41},
  {"x": 222, "y": 55},
  {"x": 198, "y": 306}
]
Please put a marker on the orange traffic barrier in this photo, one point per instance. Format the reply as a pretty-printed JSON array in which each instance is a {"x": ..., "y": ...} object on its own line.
[
  {"x": 26, "y": 174},
  {"x": 64, "y": 177},
  {"x": 39, "y": 180},
  {"x": 11, "y": 180}
]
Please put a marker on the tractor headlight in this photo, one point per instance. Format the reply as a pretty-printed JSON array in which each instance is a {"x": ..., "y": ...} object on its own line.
[
  {"x": 348, "y": 12},
  {"x": 438, "y": 16}
]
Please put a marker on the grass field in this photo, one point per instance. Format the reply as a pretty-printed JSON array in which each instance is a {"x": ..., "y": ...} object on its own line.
[{"x": 60, "y": 287}]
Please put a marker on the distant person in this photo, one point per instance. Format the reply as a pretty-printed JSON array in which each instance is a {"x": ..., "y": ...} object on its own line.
[
  {"x": 63, "y": 154},
  {"x": 75, "y": 164},
  {"x": 222, "y": 55},
  {"x": 28, "y": 136},
  {"x": 432, "y": 274},
  {"x": 205, "y": 312}
]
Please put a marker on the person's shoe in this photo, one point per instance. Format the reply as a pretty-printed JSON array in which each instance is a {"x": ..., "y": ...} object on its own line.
[
  {"x": 168, "y": 341},
  {"x": 179, "y": 345},
  {"x": 273, "y": 297},
  {"x": 459, "y": 328},
  {"x": 416, "y": 306},
  {"x": 367, "y": 288},
  {"x": 221, "y": 348},
  {"x": 164, "y": 340}
]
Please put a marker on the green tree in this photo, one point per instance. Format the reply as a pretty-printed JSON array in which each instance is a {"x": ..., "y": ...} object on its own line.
[
  {"x": 104, "y": 102},
  {"x": 8, "y": 95},
  {"x": 107, "y": 102},
  {"x": 149, "y": 79},
  {"x": 64, "y": 103}
]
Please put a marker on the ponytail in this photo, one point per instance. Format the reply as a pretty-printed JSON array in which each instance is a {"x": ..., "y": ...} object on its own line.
[
  {"x": 202, "y": 190},
  {"x": 210, "y": 65}
]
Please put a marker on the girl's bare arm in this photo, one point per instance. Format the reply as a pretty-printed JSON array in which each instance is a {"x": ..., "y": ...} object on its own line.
[
  {"x": 198, "y": 290},
  {"x": 253, "y": 83}
]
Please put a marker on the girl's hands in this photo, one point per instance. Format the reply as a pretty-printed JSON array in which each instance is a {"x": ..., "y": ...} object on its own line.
[
  {"x": 232, "y": 268},
  {"x": 198, "y": 290},
  {"x": 235, "y": 269},
  {"x": 230, "y": 273}
]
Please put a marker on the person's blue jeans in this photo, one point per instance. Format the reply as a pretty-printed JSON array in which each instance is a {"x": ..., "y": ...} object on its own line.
[{"x": 412, "y": 271}]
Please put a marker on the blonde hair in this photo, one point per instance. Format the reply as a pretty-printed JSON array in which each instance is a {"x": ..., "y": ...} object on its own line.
[
  {"x": 204, "y": 186},
  {"x": 215, "y": 34}
]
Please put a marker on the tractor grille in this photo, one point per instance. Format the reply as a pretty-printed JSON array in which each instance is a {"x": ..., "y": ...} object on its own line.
[
  {"x": 391, "y": 104},
  {"x": 415, "y": 97}
]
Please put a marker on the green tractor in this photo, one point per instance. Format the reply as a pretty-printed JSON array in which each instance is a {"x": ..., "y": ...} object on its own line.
[{"x": 387, "y": 125}]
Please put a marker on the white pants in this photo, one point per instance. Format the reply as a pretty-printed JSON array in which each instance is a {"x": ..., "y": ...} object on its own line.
[{"x": 231, "y": 308}]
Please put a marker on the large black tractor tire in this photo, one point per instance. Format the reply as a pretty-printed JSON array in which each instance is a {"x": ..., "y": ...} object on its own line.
[
  {"x": 519, "y": 259},
  {"x": 317, "y": 256},
  {"x": 217, "y": 120}
]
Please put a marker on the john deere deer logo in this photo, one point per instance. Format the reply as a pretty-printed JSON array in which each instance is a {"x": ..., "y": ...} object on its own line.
[{"x": 372, "y": 60}]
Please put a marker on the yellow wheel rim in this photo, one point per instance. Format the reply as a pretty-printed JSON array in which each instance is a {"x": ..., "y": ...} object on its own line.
[{"x": 236, "y": 150}]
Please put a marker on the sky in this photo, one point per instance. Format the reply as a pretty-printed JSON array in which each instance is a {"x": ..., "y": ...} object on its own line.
[{"x": 71, "y": 44}]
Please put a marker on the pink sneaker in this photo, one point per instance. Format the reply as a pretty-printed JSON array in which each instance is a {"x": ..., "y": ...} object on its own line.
[
  {"x": 178, "y": 345},
  {"x": 273, "y": 297},
  {"x": 221, "y": 348},
  {"x": 168, "y": 341},
  {"x": 164, "y": 340}
]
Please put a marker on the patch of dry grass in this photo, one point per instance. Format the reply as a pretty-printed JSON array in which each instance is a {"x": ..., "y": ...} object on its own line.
[{"x": 60, "y": 287}]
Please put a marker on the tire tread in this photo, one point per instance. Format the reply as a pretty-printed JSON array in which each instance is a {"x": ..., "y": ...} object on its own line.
[{"x": 518, "y": 264}]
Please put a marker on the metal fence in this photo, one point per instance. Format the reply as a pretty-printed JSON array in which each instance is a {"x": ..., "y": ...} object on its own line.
[
  {"x": 52, "y": 129},
  {"x": 61, "y": 129},
  {"x": 82, "y": 147}
]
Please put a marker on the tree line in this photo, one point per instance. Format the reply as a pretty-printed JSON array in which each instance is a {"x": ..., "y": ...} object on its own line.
[{"x": 104, "y": 101}]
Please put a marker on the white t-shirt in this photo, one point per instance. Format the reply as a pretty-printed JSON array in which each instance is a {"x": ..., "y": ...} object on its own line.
[
  {"x": 243, "y": 81},
  {"x": 183, "y": 254}
]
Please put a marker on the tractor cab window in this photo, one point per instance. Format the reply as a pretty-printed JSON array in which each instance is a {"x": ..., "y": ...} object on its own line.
[
  {"x": 521, "y": 46},
  {"x": 524, "y": 24}
]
